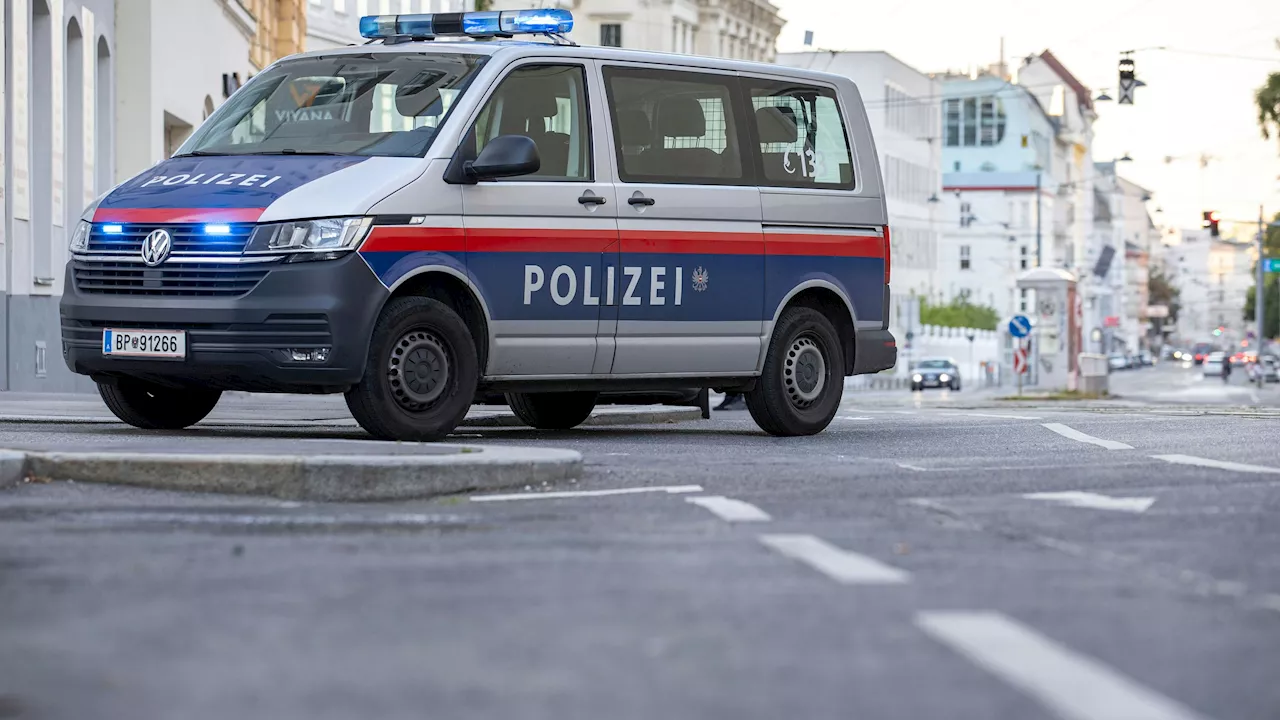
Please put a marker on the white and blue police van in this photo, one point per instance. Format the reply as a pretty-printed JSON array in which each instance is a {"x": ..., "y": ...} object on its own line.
[{"x": 446, "y": 212}]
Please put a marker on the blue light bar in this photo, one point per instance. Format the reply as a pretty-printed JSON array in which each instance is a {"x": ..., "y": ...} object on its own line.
[
  {"x": 475, "y": 24},
  {"x": 113, "y": 229},
  {"x": 217, "y": 229}
]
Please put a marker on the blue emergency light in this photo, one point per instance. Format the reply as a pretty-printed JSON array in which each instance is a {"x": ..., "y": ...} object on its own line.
[{"x": 489, "y": 23}]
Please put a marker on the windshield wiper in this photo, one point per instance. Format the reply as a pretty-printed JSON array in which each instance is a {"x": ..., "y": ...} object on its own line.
[
  {"x": 201, "y": 153},
  {"x": 290, "y": 151}
]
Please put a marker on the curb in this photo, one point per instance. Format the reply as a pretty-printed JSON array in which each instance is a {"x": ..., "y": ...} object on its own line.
[
  {"x": 323, "y": 478},
  {"x": 602, "y": 419}
]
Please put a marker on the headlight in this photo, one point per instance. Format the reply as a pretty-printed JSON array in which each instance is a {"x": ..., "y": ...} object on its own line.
[
  {"x": 304, "y": 236},
  {"x": 917, "y": 377},
  {"x": 944, "y": 377},
  {"x": 80, "y": 237}
]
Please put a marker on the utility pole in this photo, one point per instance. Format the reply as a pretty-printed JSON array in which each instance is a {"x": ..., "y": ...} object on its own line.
[{"x": 1259, "y": 296}]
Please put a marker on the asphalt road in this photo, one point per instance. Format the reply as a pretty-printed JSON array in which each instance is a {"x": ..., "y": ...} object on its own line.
[{"x": 891, "y": 567}]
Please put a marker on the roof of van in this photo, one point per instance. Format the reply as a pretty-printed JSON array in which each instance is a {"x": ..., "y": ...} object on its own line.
[{"x": 521, "y": 48}]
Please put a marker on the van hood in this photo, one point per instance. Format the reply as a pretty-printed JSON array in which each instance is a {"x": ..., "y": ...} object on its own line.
[{"x": 252, "y": 188}]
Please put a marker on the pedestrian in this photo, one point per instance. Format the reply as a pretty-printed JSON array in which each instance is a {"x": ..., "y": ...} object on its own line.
[{"x": 733, "y": 401}]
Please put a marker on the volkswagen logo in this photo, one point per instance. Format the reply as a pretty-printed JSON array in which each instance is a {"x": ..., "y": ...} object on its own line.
[{"x": 156, "y": 247}]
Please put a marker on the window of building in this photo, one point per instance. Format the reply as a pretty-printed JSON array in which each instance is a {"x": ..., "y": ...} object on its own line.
[
  {"x": 676, "y": 127},
  {"x": 1022, "y": 300},
  {"x": 964, "y": 257},
  {"x": 1023, "y": 260},
  {"x": 974, "y": 121},
  {"x": 611, "y": 34},
  {"x": 548, "y": 104},
  {"x": 802, "y": 137}
]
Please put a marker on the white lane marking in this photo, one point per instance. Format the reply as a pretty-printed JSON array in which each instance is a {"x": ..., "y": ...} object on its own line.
[
  {"x": 670, "y": 489},
  {"x": 1219, "y": 464},
  {"x": 904, "y": 412},
  {"x": 847, "y": 417},
  {"x": 1256, "y": 399},
  {"x": 994, "y": 415},
  {"x": 1072, "y": 685},
  {"x": 909, "y": 466},
  {"x": 1094, "y": 501},
  {"x": 1074, "y": 434},
  {"x": 730, "y": 509},
  {"x": 847, "y": 568}
]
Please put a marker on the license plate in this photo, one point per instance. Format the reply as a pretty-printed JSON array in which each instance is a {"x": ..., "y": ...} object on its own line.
[{"x": 144, "y": 343}]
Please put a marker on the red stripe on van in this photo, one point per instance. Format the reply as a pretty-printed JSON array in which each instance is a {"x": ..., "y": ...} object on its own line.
[
  {"x": 679, "y": 242},
  {"x": 415, "y": 239},
  {"x": 177, "y": 215},
  {"x": 867, "y": 246}
]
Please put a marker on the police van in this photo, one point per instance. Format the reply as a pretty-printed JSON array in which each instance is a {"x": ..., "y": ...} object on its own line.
[{"x": 447, "y": 211}]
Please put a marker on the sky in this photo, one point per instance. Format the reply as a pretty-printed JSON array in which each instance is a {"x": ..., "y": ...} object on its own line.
[{"x": 1194, "y": 103}]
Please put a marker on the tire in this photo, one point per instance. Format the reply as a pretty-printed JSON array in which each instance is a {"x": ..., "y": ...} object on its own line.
[
  {"x": 552, "y": 410},
  {"x": 154, "y": 407},
  {"x": 916, "y": 388},
  {"x": 955, "y": 387},
  {"x": 799, "y": 391},
  {"x": 421, "y": 373}
]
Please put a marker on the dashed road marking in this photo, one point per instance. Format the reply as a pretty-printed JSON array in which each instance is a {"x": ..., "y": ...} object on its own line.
[
  {"x": 1072, "y": 685},
  {"x": 670, "y": 489},
  {"x": 849, "y": 417},
  {"x": 999, "y": 416},
  {"x": 909, "y": 466},
  {"x": 1095, "y": 501},
  {"x": 1078, "y": 436},
  {"x": 730, "y": 509},
  {"x": 1219, "y": 464},
  {"x": 847, "y": 568}
]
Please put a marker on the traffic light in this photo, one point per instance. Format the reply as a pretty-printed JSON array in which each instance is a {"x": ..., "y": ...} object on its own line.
[
  {"x": 1218, "y": 331},
  {"x": 1211, "y": 222}
]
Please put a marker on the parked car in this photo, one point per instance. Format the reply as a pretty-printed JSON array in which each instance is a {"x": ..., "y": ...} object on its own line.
[
  {"x": 1116, "y": 361},
  {"x": 1270, "y": 368},
  {"x": 936, "y": 372},
  {"x": 1146, "y": 359},
  {"x": 1213, "y": 364}
]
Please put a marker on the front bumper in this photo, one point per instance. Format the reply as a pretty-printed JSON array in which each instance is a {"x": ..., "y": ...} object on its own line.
[
  {"x": 874, "y": 350},
  {"x": 240, "y": 342}
]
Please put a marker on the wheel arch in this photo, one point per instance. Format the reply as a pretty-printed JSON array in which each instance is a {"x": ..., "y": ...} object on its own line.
[
  {"x": 455, "y": 289},
  {"x": 830, "y": 299}
]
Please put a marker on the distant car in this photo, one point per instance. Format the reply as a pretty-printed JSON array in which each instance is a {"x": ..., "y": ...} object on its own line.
[
  {"x": 1213, "y": 364},
  {"x": 936, "y": 373},
  {"x": 1146, "y": 358},
  {"x": 1270, "y": 368},
  {"x": 1116, "y": 361},
  {"x": 1201, "y": 351}
]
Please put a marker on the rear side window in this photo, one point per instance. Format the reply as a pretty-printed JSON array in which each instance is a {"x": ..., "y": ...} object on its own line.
[
  {"x": 676, "y": 127},
  {"x": 803, "y": 140}
]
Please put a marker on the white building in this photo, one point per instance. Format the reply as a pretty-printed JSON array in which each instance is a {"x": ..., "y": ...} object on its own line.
[
  {"x": 741, "y": 29},
  {"x": 56, "y": 98},
  {"x": 999, "y": 190},
  {"x": 1213, "y": 277},
  {"x": 336, "y": 23},
  {"x": 903, "y": 107},
  {"x": 1116, "y": 301}
]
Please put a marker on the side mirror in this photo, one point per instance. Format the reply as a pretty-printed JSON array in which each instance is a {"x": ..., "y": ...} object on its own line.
[{"x": 505, "y": 156}]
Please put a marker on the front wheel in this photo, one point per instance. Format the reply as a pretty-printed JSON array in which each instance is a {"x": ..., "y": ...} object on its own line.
[
  {"x": 552, "y": 410},
  {"x": 421, "y": 374},
  {"x": 155, "y": 407},
  {"x": 799, "y": 391}
]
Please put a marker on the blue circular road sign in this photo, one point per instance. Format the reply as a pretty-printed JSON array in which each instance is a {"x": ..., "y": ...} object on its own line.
[{"x": 1019, "y": 326}]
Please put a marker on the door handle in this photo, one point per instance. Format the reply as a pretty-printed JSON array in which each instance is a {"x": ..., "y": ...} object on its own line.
[
  {"x": 588, "y": 198},
  {"x": 641, "y": 200}
]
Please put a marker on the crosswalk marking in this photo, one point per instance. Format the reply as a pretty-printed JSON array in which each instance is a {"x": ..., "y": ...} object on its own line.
[
  {"x": 729, "y": 509},
  {"x": 848, "y": 568},
  {"x": 1078, "y": 436},
  {"x": 1218, "y": 464},
  {"x": 1073, "y": 686}
]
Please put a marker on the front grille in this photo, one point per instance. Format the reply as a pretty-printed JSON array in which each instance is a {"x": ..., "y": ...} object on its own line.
[
  {"x": 188, "y": 239},
  {"x": 111, "y": 277}
]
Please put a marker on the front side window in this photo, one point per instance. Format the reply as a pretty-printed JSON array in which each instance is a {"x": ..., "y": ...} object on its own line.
[
  {"x": 548, "y": 104},
  {"x": 675, "y": 127},
  {"x": 375, "y": 104},
  {"x": 802, "y": 137}
]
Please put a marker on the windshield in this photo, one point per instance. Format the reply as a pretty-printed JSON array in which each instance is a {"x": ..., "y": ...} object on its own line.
[
  {"x": 376, "y": 104},
  {"x": 934, "y": 365}
]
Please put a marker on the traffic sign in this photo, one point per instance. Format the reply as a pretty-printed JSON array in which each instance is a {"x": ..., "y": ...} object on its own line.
[
  {"x": 1020, "y": 361},
  {"x": 1271, "y": 265},
  {"x": 1019, "y": 326}
]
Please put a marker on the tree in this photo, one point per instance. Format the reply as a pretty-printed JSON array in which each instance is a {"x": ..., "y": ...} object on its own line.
[
  {"x": 1268, "y": 100},
  {"x": 1162, "y": 291},
  {"x": 1271, "y": 288},
  {"x": 959, "y": 313}
]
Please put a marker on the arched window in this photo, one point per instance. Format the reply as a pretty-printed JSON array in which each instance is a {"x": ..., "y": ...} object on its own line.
[
  {"x": 104, "y": 119},
  {"x": 74, "y": 156}
]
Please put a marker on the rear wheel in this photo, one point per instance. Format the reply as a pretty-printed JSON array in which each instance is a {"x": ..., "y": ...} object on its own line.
[
  {"x": 799, "y": 391},
  {"x": 421, "y": 374},
  {"x": 155, "y": 407},
  {"x": 552, "y": 410}
]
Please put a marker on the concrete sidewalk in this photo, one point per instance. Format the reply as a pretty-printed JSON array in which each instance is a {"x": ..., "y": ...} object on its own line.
[{"x": 266, "y": 410}]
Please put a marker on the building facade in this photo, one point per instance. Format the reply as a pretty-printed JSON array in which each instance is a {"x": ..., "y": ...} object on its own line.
[
  {"x": 903, "y": 108},
  {"x": 740, "y": 29},
  {"x": 336, "y": 23},
  {"x": 1212, "y": 276},
  {"x": 94, "y": 92}
]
